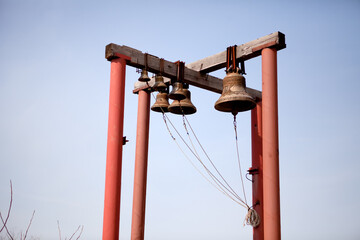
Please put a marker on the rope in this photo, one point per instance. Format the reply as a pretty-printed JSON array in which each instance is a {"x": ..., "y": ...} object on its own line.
[
  {"x": 232, "y": 190},
  {"x": 198, "y": 170},
  {"x": 216, "y": 180},
  {"x": 252, "y": 218},
  {"x": 226, "y": 190},
  {"x": 219, "y": 186},
  {"x": 238, "y": 158}
]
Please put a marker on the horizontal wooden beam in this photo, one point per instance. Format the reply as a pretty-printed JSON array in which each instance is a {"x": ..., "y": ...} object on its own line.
[
  {"x": 243, "y": 52},
  {"x": 192, "y": 77}
]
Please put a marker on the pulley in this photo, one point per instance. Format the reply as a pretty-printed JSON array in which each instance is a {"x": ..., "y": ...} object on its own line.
[
  {"x": 162, "y": 103},
  {"x": 183, "y": 106},
  {"x": 177, "y": 92},
  {"x": 159, "y": 84},
  {"x": 144, "y": 76},
  {"x": 234, "y": 97}
]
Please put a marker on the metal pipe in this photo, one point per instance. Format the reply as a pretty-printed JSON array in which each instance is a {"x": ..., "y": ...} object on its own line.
[
  {"x": 270, "y": 145},
  {"x": 257, "y": 168},
  {"x": 141, "y": 162},
  {"x": 114, "y": 150}
]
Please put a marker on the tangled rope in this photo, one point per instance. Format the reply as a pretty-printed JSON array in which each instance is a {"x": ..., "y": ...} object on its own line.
[{"x": 252, "y": 218}]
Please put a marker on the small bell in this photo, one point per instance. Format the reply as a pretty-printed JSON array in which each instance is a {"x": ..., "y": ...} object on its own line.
[
  {"x": 159, "y": 83},
  {"x": 184, "y": 106},
  {"x": 177, "y": 92},
  {"x": 234, "y": 97},
  {"x": 162, "y": 103},
  {"x": 144, "y": 76}
]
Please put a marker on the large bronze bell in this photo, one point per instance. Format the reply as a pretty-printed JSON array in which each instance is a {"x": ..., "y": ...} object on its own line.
[
  {"x": 144, "y": 76},
  {"x": 234, "y": 97},
  {"x": 184, "y": 106},
  {"x": 162, "y": 103},
  {"x": 159, "y": 84},
  {"x": 177, "y": 92}
]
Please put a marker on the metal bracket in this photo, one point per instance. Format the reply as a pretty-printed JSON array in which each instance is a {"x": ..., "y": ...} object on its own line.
[
  {"x": 251, "y": 171},
  {"x": 124, "y": 140}
]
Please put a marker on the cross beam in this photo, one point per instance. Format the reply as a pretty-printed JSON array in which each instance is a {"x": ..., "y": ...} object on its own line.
[
  {"x": 244, "y": 52},
  {"x": 192, "y": 77}
]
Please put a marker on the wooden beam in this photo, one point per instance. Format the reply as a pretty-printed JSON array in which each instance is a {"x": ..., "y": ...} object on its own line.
[
  {"x": 244, "y": 52},
  {"x": 192, "y": 77}
]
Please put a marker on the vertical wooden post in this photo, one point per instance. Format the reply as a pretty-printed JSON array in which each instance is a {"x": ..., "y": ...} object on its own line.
[
  {"x": 257, "y": 168},
  {"x": 141, "y": 162},
  {"x": 114, "y": 150},
  {"x": 270, "y": 145}
]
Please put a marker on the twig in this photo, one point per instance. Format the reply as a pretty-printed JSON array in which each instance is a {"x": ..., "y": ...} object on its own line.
[
  {"x": 74, "y": 232},
  {"x": 29, "y": 225},
  {"x": 82, "y": 228},
  {"x": 7, "y": 217},
  {"x": 7, "y": 230},
  {"x": 8, "y": 214}
]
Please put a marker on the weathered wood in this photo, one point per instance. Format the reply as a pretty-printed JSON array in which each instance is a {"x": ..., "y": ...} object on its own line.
[
  {"x": 191, "y": 77},
  {"x": 244, "y": 52}
]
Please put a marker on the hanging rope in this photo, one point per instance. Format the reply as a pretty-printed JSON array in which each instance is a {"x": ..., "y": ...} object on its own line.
[
  {"x": 218, "y": 184},
  {"x": 238, "y": 158},
  {"x": 211, "y": 162},
  {"x": 215, "y": 179},
  {"x": 184, "y": 117},
  {"x": 252, "y": 218}
]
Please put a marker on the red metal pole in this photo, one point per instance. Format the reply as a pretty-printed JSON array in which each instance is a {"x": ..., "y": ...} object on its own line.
[
  {"x": 257, "y": 168},
  {"x": 270, "y": 145},
  {"x": 114, "y": 150},
  {"x": 141, "y": 162}
]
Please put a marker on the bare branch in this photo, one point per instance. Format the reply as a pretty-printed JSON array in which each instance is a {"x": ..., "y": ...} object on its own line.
[
  {"x": 74, "y": 232},
  {"x": 82, "y": 228},
  {"x": 8, "y": 214},
  {"x": 59, "y": 229},
  {"x": 7, "y": 230},
  {"x": 29, "y": 225},
  {"x": 7, "y": 217}
]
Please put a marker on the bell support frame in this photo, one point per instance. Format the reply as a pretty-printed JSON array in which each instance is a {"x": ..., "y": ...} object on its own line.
[{"x": 266, "y": 193}]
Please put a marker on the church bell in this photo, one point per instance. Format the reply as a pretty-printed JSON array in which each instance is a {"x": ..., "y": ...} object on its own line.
[
  {"x": 144, "y": 76},
  {"x": 159, "y": 84},
  {"x": 234, "y": 97},
  {"x": 162, "y": 103},
  {"x": 183, "y": 106},
  {"x": 177, "y": 92}
]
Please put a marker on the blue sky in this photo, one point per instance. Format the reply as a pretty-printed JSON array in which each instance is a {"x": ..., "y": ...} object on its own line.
[{"x": 54, "y": 91}]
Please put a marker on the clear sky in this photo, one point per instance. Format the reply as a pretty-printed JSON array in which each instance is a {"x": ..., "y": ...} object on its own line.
[{"x": 54, "y": 91}]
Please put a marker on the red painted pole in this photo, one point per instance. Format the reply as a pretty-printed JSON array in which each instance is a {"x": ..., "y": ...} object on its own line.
[
  {"x": 114, "y": 150},
  {"x": 257, "y": 169},
  {"x": 141, "y": 162},
  {"x": 270, "y": 145}
]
